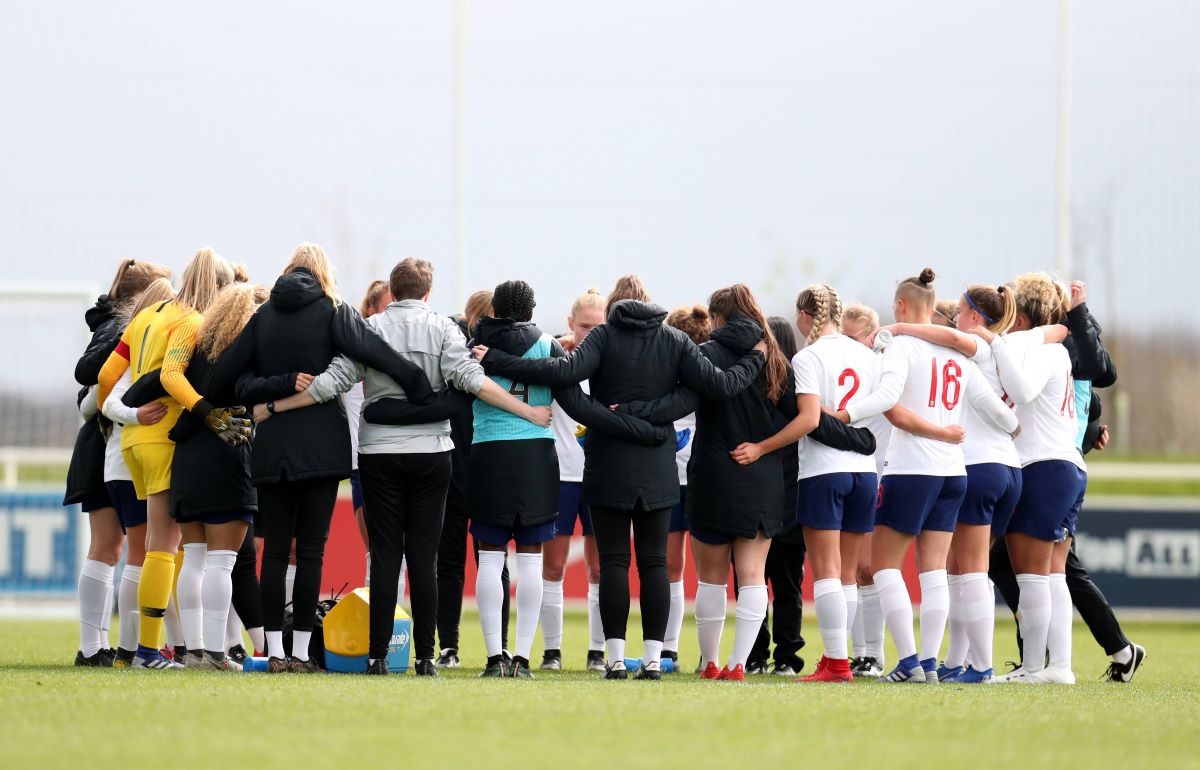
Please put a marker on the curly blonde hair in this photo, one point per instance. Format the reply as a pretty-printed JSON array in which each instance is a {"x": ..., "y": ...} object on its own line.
[
  {"x": 1041, "y": 299},
  {"x": 227, "y": 316}
]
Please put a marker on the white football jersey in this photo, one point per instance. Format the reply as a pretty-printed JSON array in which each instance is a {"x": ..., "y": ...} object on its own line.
[
  {"x": 882, "y": 430},
  {"x": 985, "y": 442},
  {"x": 933, "y": 383},
  {"x": 567, "y": 437},
  {"x": 840, "y": 372},
  {"x": 1048, "y": 420},
  {"x": 685, "y": 436}
]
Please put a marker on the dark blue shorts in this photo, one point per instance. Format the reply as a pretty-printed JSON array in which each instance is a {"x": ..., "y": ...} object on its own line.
[
  {"x": 914, "y": 504},
  {"x": 532, "y": 534},
  {"x": 841, "y": 501},
  {"x": 679, "y": 522},
  {"x": 94, "y": 501},
  {"x": 130, "y": 510},
  {"x": 1051, "y": 497},
  {"x": 711, "y": 536},
  {"x": 356, "y": 489},
  {"x": 570, "y": 508},
  {"x": 992, "y": 493}
]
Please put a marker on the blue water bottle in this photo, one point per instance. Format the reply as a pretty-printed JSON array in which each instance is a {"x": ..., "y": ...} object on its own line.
[
  {"x": 254, "y": 664},
  {"x": 665, "y": 665}
]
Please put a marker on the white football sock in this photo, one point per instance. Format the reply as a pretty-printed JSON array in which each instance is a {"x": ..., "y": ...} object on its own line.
[
  {"x": 400, "y": 583},
  {"x": 896, "y": 608},
  {"x": 1123, "y": 655},
  {"x": 289, "y": 582},
  {"x": 830, "y": 602},
  {"x": 95, "y": 585},
  {"x": 857, "y": 632},
  {"x": 233, "y": 629},
  {"x": 258, "y": 638},
  {"x": 616, "y": 653},
  {"x": 748, "y": 613},
  {"x": 956, "y": 649},
  {"x": 367, "y": 579},
  {"x": 300, "y": 642},
  {"x": 216, "y": 593},
  {"x": 1062, "y": 613},
  {"x": 872, "y": 619},
  {"x": 978, "y": 617},
  {"x": 171, "y": 622},
  {"x": 127, "y": 605},
  {"x": 191, "y": 608},
  {"x": 851, "y": 592},
  {"x": 935, "y": 608},
  {"x": 674, "y": 618},
  {"x": 595, "y": 622},
  {"x": 110, "y": 598},
  {"x": 711, "y": 606},
  {"x": 652, "y": 652},
  {"x": 552, "y": 614},
  {"x": 275, "y": 644},
  {"x": 529, "y": 600},
  {"x": 1033, "y": 617},
  {"x": 489, "y": 595}
]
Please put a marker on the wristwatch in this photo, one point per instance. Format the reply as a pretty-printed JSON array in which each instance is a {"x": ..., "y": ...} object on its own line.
[{"x": 271, "y": 407}]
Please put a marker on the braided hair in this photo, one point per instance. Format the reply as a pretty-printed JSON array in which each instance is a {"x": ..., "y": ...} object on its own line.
[
  {"x": 514, "y": 299},
  {"x": 824, "y": 305}
]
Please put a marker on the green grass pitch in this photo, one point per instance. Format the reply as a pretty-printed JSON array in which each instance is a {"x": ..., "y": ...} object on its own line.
[{"x": 58, "y": 716}]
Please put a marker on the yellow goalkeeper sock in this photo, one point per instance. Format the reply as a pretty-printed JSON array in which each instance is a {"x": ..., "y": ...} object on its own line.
[{"x": 154, "y": 589}]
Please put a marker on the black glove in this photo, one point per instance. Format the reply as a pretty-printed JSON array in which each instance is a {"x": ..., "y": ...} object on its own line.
[{"x": 229, "y": 423}]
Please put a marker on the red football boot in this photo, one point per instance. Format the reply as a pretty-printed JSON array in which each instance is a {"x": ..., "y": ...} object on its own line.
[
  {"x": 711, "y": 671},
  {"x": 830, "y": 670},
  {"x": 738, "y": 674}
]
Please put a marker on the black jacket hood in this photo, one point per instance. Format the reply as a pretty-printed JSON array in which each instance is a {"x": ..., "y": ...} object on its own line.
[
  {"x": 295, "y": 290},
  {"x": 102, "y": 311},
  {"x": 512, "y": 337},
  {"x": 739, "y": 334},
  {"x": 636, "y": 315}
]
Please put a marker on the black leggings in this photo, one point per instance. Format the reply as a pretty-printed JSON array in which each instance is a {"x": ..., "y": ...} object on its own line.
[
  {"x": 451, "y": 570},
  {"x": 246, "y": 600},
  {"x": 404, "y": 500},
  {"x": 650, "y": 543},
  {"x": 785, "y": 572},
  {"x": 300, "y": 510}
]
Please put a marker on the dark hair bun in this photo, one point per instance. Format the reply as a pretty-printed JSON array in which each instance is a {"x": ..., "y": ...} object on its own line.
[
  {"x": 926, "y": 277},
  {"x": 513, "y": 299}
]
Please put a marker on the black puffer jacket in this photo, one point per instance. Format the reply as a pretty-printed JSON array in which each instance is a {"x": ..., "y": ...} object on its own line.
[
  {"x": 207, "y": 475},
  {"x": 85, "y": 475},
  {"x": 299, "y": 329},
  {"x": 1089, "y": 358},
  {"x": 742, "y": 499},
  {"x": 633, "y": 357}
]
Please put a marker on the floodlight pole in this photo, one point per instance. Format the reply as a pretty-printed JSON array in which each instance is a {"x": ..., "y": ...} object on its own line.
[
  {"x": 458, "y": 214},
  {"x": 1063, "y": 144}
]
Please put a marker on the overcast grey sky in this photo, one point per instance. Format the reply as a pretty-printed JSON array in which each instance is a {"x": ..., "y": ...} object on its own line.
[{"x": 696, "y": 143}]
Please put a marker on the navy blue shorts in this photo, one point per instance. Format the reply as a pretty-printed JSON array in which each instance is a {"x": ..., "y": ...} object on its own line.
[
  {"x": 1051, "y": 497},
  {"x": 679, "y": 522},
  {"x": 993, "y": 490},
  {"x": 356, "y": 489},
  {"x": 130, "y": 510},
  {"x": 841, "y": 501},
  {"x": 914, "y": 504},
  {"x": 94, "y": 501},
  {"x": 570, "y": 508},
  {"x": 711, "y": 536},
  {"x": 532, "y": 534}
]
